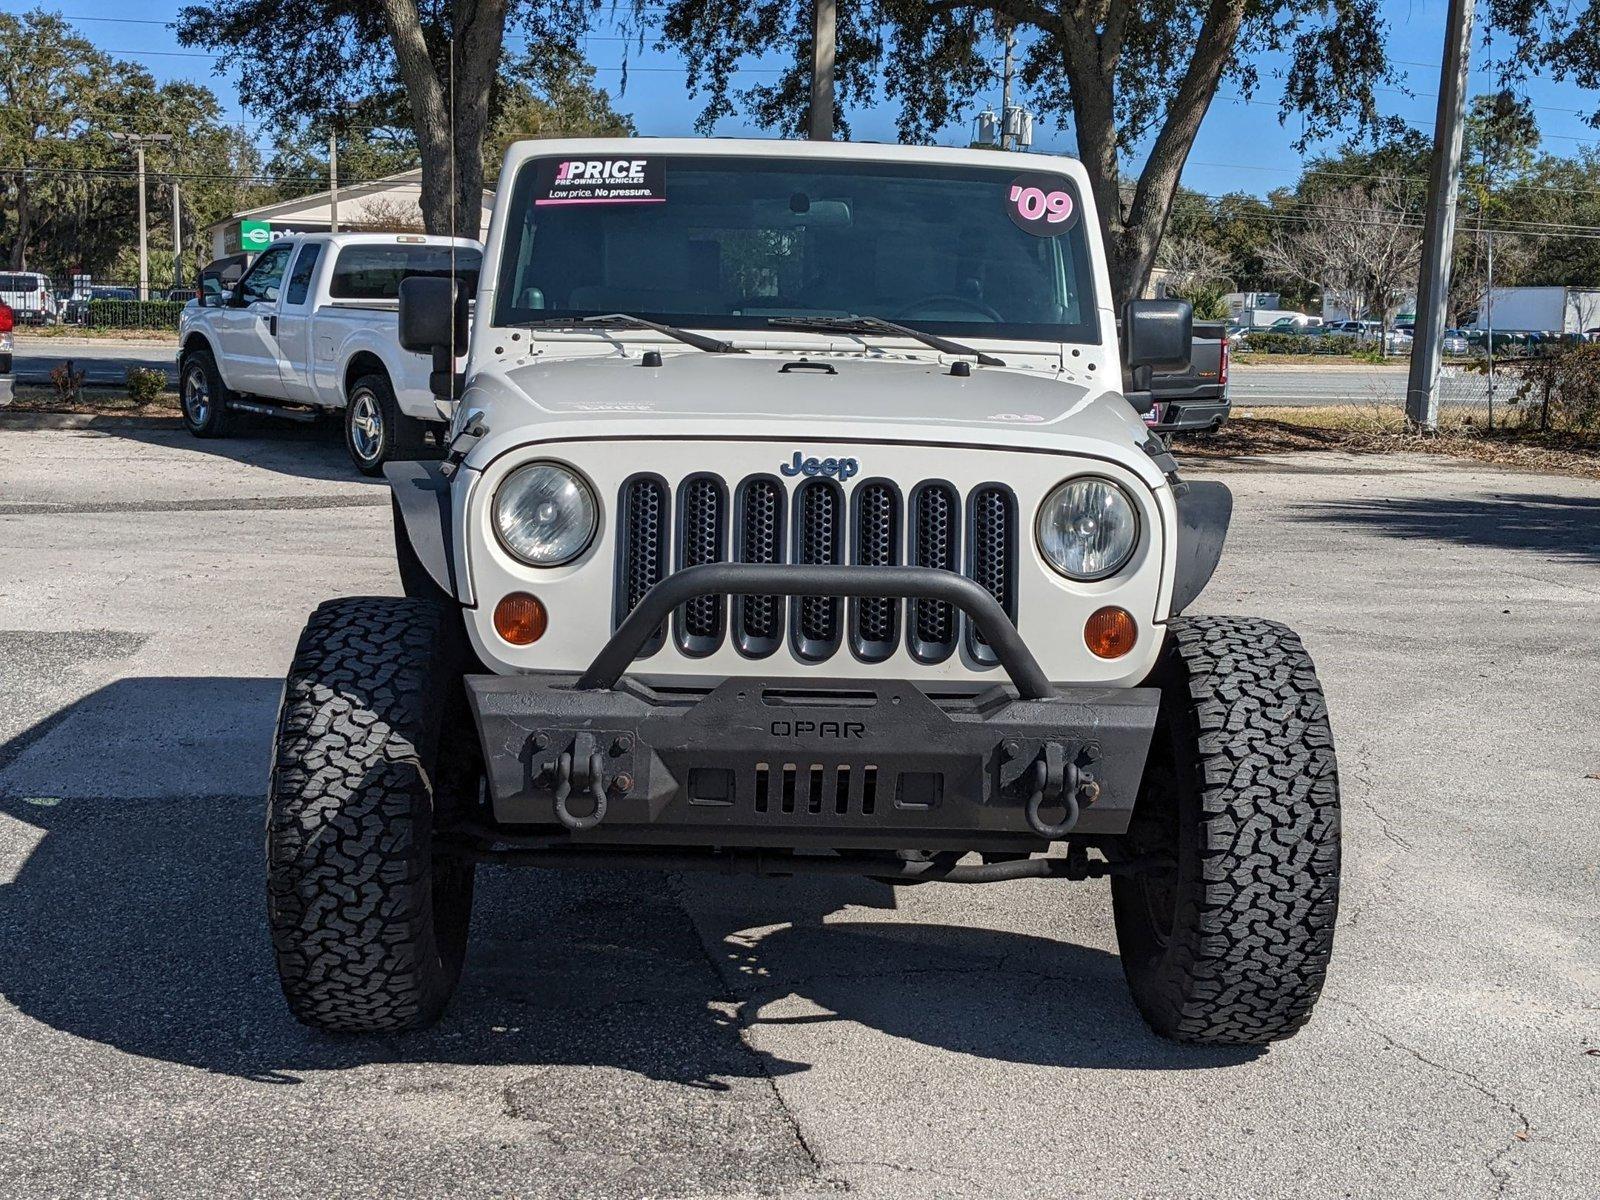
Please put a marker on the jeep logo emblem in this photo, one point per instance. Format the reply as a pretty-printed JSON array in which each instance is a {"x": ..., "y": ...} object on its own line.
[{"x": 839, "y": 468}]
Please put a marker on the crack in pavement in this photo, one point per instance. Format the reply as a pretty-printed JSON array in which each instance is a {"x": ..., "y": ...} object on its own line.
[
  {"x": 675, "y": 888},
  {"x": 1492, "y": 1164}
]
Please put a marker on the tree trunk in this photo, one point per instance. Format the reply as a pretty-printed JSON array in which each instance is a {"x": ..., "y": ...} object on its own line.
[
  {"x": 19, "y": 247},
  {"x": 452, "y": 151}
]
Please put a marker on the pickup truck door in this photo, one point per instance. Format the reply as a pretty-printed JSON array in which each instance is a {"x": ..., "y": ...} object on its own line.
[
  {"x": 245, "y": 327},
  {"x": 295, "y": 347}
]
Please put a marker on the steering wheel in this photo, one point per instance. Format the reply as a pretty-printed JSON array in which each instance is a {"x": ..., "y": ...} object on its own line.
[{"x": 917, "y": 307}]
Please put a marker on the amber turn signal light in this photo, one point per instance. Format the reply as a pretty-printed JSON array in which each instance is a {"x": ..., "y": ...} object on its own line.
[
  {"x": 520, "y": 619},
  {"x": 1110, "y": 632}
]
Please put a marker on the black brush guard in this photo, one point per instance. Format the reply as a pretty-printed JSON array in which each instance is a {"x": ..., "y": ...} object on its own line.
[{"x": 790, "y": 763}]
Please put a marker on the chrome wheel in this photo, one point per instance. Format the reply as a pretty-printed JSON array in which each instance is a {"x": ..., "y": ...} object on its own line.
[
  {"x": 196, "y": 396},
  {"x": 366, "y": 426}
]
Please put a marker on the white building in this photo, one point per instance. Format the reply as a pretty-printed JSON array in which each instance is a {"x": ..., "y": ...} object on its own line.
[{"x": 392, "y": 203}]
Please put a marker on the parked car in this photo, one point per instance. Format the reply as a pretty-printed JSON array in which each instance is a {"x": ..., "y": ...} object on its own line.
[
  {"x": 78, "y": 311},
  {"x": 7, "y": 321},
  {"x": 710, "y": 581},
  {"x": 1194, "y": 400},
  {"x": 1294, "y": 323},
  {"x": 29, "y": 296},
  {"x": 312, "y": 326},
  {"x": 1455, "y": 341}
]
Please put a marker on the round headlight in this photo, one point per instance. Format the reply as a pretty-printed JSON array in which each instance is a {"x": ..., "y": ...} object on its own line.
[
  {"x": 545, "y": 514},
  {"x": 1088, "y": 529}
]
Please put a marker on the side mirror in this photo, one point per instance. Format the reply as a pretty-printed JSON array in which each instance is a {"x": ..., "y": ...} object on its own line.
[
  {"x": 433, "y": 320},
  {"x": 234, "y": 298},
  {"x": 1155, "y": 333}
]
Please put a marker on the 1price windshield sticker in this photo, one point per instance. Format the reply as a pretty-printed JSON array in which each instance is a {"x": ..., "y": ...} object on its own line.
[
  {"x": 1043, "y": 205},
  {"x": 601, "y": 181}
]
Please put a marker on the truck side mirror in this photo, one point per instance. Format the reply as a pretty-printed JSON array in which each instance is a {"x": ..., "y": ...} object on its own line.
[
  {"x": 433, "y": 320},
  {"x": 1155, "y": 333}
]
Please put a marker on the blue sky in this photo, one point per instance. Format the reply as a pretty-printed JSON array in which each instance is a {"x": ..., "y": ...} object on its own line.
[{"x": 1241, "y": 145}]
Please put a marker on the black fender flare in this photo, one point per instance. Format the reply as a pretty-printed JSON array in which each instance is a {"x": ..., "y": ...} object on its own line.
[
  {"x": 423, "y": 534},
  {"x": 1204, "y": 510}
]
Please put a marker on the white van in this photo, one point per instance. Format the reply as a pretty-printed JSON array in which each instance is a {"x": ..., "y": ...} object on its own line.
[{"x": 29, "y": 296}]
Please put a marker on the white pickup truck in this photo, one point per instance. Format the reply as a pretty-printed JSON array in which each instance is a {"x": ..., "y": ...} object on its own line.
[{"x": 312, "y": 326}]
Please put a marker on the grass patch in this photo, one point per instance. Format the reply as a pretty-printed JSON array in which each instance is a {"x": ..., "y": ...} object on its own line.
[
  {"x": 1381, "y": 429},
  {"x": 27, "y": 333}
]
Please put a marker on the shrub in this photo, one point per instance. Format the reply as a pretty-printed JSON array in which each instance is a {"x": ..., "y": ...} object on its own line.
[
  {"x": 68, "y": 382},
  {"x": 1301, "y": 343},
  {"x": 1559, "y": 387},
  {"x": 145, "y": 384}
]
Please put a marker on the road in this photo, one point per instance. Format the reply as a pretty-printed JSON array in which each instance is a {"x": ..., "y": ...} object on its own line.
[
  {"x": 105, "y": 360},
  {"x": 648, "y": 1036},
  {"x": 108, "y": 362}
]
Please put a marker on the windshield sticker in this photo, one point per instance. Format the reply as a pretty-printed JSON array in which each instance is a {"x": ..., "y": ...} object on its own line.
[
  {"x": 1042, "y": 205},
  {"x": 601, "y": 181}
]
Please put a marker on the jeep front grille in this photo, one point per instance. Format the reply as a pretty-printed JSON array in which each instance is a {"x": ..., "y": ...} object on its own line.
[{"x": 760, "y": 521}]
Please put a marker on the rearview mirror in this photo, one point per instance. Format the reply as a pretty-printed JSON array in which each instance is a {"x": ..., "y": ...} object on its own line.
[
  {"x": 1157, "y": 333},
  {"x": 433, "y": 320},
  {"x": 433, "y": 315}
]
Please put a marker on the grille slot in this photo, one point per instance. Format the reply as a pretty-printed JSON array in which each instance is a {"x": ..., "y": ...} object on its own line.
[
  {"x": 992, "y": 555},
  {"x": 702, "y": 538},
  {"x": 875, "y": 626},
  {"x": 642, "y": 547},
  {"x": 758, "y": 534},
  {"x": 818, "y": 541},
  {"x": 935, "y": 542}
]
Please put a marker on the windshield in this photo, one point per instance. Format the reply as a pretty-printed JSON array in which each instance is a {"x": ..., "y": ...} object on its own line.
[{"x": 730, "y": 242}]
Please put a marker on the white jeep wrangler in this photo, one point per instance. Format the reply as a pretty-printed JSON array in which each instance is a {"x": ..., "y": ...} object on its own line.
[{"x": 798, "y": 517}]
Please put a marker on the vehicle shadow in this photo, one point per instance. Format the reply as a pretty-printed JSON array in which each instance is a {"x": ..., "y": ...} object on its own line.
[
  {"x": 134, "y": 917},
  {"x": 315, "y": 452},
  {"x": 1557, "y": 526}
]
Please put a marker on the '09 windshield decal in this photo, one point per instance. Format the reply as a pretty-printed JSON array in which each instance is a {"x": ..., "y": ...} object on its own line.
[{"x": 1043, "y": 205}]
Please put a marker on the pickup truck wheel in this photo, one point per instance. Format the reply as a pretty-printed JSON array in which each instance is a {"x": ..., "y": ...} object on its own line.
[
  {"x": 375, "y": 430},
  {"x": 1242, "y": 792},
  {"x": 374, "y": 752},
  {"x": 203, "y": 395}
]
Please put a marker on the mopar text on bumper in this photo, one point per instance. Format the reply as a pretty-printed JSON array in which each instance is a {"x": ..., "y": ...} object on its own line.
[{"x": 842, "y": 764}]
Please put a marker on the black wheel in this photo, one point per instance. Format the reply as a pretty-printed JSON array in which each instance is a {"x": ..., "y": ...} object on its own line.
[
  {"x": 1242, "y": 794},
  {"x": 373, "y": 755},
  {"x": 203, "y": 395},
  {"x": 375, "y": 430}
]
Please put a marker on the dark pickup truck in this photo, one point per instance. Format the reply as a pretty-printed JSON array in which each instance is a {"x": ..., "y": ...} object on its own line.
[{"x": 1195, "y": 400}]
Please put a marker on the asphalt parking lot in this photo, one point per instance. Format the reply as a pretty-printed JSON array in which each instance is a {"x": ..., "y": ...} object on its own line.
[{"x": 644, "y": 1035}]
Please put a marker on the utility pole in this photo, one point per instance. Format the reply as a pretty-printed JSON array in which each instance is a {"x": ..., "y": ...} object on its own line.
[
  {"x": 177, "y": 237},
  {"x": 824, "y": 30},
  {"x": 137, "y": 141},
  {"x": 1005, "y": 91},
  {"x": 1438, "y": 234},
  {"x": 333, "y": 183}
]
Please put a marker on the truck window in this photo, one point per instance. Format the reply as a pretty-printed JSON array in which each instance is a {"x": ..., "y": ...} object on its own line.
[
  {"x": 730, "y": 241},
  {"x": 375, "y": 272},
  {"x": 265, "y": 277},
  {"x": 300, "y": 278}
]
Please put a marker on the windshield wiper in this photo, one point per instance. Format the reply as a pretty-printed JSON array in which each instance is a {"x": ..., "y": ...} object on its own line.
[
  {"x": 603, "y": 321},
  {"x": 880, "y": 325}
]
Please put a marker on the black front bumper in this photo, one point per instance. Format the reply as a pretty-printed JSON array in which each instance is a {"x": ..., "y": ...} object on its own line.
[
  {"x": 786, "y": 763},
  {"x": 838, "y": 764}
]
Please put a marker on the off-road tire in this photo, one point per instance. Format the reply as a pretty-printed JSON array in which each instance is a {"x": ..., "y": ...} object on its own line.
[
  {"x": 212, "y": 419},
  {"x": 368, "y": 925},
  {"x": 397, "y": 436},
  {"x": 1242, "y": 790}
]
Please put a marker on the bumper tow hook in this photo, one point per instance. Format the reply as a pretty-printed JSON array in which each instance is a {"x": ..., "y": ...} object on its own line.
[
  {"x": 578, "y": 769},
  {"x": 1055, "y": 780}
]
